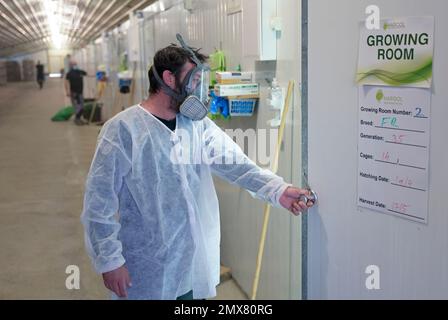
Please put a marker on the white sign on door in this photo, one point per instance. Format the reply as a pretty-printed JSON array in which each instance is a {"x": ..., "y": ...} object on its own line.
[
  {"x": 398, "y": 54},
  {"x": 393, "y": 150}
]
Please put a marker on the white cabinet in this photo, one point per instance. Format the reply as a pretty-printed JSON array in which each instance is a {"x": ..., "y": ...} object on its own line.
[{"x": 261, "y": 27}]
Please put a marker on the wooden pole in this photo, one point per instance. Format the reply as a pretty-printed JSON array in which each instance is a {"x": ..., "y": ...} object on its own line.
[{"x": 267, "y": 207}]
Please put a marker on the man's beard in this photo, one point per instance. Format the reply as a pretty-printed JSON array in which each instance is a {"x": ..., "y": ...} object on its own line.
[{"x": 174, "y": 105}]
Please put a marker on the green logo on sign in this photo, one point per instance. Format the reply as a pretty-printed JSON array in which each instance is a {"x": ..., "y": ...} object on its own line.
[
  {"x": 379, "y": 95},
  {"x": 386, "y": 26}
]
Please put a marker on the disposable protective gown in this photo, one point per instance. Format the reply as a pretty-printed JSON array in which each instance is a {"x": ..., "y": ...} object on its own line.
[{"x": 150, "y": 202}]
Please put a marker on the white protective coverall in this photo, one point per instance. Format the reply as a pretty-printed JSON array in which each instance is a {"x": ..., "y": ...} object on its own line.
[{"x": 148, "y": 208}]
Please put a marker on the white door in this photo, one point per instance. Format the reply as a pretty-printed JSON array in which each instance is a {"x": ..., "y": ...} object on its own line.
[{"x": 344, "y": 240}]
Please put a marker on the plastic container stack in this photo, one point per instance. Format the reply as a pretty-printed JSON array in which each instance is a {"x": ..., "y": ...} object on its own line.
[
  {"x": 13, "y": 73},
  {"x": 240, "y": 91},
  {"x": 28, "y": 68},
  {"x": 2, "y": 73}
]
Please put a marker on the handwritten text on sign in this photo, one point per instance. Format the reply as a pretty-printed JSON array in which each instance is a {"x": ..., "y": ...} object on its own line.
[{"x": 393, "y": 148}]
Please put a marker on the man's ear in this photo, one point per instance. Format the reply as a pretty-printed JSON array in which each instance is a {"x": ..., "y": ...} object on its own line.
[{"x": 169, "y": 79}]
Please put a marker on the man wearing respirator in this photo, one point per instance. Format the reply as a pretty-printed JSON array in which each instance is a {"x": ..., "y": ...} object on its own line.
[{"x": 151, "y": 219}]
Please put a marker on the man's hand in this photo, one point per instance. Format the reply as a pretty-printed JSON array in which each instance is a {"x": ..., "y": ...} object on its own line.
[
  {"x": 290, "y": 200},
  {"x": 118, "y": 281}
]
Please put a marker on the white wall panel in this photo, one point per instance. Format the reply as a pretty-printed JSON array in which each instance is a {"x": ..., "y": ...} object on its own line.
[{"x": 344, "y": 239}]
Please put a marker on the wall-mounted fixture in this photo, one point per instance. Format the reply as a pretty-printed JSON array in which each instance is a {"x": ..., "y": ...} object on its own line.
[{"x": 261, "y": 27}]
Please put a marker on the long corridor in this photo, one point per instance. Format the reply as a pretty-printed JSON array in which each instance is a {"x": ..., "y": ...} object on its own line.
[{"x": 43, "y": 166}]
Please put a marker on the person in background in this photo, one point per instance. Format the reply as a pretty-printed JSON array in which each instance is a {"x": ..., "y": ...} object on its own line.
[
  {"x": 40, "y": 74},
  {"x": 74, "y": 87}
]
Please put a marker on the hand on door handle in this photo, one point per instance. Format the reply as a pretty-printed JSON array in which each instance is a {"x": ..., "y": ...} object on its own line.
[
  {"x": 311, "y": 198},
  {"x": 313, "y": 195}
]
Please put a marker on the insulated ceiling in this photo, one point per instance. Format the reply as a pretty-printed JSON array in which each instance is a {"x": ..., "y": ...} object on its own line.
[{"x": 31, "y": 25}]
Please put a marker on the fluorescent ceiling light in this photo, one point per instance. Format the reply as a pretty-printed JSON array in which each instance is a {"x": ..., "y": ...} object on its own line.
[{"x": 54, "y": 17}]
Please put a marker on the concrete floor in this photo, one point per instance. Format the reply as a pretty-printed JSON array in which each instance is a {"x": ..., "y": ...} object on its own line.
[{"x": 43, "y": 166}]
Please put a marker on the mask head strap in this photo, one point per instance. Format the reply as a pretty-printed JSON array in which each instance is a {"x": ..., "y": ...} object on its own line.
[
  {"x": 176, "y": 95},
  {"x": 187, "y": 48}
]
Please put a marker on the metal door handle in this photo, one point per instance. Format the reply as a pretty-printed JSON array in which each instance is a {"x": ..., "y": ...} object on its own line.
[{"x": 311, "y": 198}]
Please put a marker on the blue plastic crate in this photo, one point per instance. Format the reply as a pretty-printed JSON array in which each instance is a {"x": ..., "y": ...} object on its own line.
[
  {"x": 242, "y": 107},
  {"x": 101, "y": 76},
  {"x": 124, "y": 82}
]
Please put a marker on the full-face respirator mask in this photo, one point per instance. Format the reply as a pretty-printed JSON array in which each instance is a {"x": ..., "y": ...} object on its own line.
[{"x": 194, "y": 88}]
